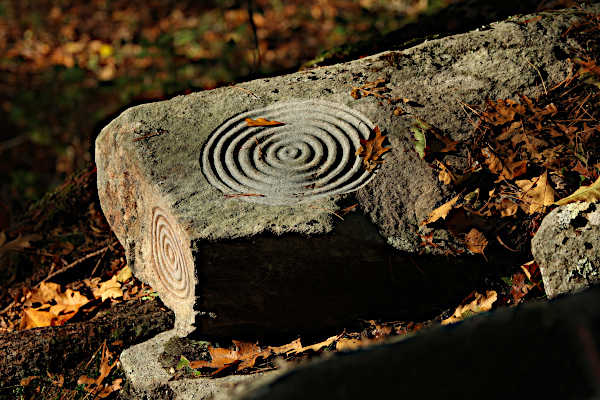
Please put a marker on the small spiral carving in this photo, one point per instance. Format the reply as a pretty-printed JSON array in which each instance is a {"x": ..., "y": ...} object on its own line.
[
  {"x": 312, "y": 155},
  {"x": 170, "y": 262}
]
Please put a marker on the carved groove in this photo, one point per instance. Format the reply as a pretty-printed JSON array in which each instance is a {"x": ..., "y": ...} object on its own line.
[
  {"x": 169, "y": 257},
  {"x": 309, "y": 157}
]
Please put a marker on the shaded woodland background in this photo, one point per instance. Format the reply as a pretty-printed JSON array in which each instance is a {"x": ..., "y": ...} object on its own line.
[{"x": 68, "y": 67}]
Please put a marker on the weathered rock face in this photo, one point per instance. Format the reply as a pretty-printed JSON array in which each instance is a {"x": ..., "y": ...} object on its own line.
[
  {"x": 567, "y": 248},
  {"x": 233, "y": 225}
]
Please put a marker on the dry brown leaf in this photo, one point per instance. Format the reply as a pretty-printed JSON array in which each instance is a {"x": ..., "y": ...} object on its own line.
[
  {"x": 503, "y": 111},
  {"x": 374, "y": 88},
  {"x": 351, "y": 344},
  {"x": 108, "y": 289},
  {"x": 318, "y": 346},
  {"x": 440, "y": 212},
  {"x": 261, "y": 122},
  {"x": 506, "y": 208},
  {"x": 20, "y": 243},
  {"x": 222, "y": 358},
  {"x": 95, "y": 386},
  {"x": 476, "y": 241},
  {"x": 480, "y": 304},
  {"x": 371, "y": 150},
  {"x": 292, "y": 348},
  {"x": 585, "y": 193},
  {"x": 511, "y": 170},
  {"x": 537, "y": 194}
]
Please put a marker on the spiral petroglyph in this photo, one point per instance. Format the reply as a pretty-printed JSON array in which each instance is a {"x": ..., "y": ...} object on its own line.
[
  {"x": 312, "y": 155},
  {"x": 170, "y": 261}
]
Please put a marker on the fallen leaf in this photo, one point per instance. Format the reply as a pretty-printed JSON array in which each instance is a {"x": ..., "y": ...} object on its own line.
[
  {"x": 124, "y": 274},
  {"x": 351, "y": 344},
  {"x": 445, "y": 175},
  {"x": 503, "y": 111},
  {"x": 536, "y": 194},
  {"x": 374, "y": 88},
  {"x": 20, "y": 243},
  {"x": 95, "y": 386},
  {"x": 420, "y": 142},
  {"x": 261, "y": 122},
  {"x": 511, "y": 170},
  {"x": 371, "y": 150},
  {"x": 476, "y": 241},
  {"x": 318, "y": 346},
  {"x": 292, "y": 348},
  {"x": 108, "y": 289},
  {"x": 440, "y": 212},
  {"x": 585, "y": 193},
  {"x": 478, "y": 305},
  {"x": 244, "y": 357}
]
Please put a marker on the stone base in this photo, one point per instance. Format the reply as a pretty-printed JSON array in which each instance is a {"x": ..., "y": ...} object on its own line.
[{"x": 148, "y": 379}]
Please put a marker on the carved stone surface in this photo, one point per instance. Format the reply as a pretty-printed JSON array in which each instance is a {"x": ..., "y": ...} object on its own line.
[{"x": 234, "y": 226}]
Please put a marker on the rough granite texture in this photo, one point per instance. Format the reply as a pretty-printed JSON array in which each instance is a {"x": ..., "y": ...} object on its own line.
[
  {"x": 567, "y": 248},
  {"x": 218, "y": 261}
]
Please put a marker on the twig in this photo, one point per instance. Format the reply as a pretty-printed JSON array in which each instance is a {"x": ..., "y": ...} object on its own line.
[
  {"x": 76, "y": 262},
  {"x": 14, "y": 142},
  {"x": 538, "y": 71},
  {"x": 230, "y": 196},
  {"x": 415, "y": 264},
  {"x": 502, "y": 243},
  {"x": 329, "y": 211},
  {"x": 247, "y": 91},
  {"x": 147, "y": 136},
  {"x": 258, "y": 144}
]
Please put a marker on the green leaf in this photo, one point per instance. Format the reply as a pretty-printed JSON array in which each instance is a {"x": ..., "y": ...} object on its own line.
[
  {"x": 183, "y": 362},
  {"x": 585, "y": 193},
  {"x": 420, "y": 142}
]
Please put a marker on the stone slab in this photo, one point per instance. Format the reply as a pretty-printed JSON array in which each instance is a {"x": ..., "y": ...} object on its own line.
[
  {"x": 542, "y": 350},
  {"x": 241, "y": 249},
  {"x": 567, "y": 248},
  {"x": 147, "y": 378}
]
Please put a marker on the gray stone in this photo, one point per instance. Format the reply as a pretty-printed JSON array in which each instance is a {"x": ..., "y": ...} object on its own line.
[
  {"x": 147, "y": 378},
  {"x": 546, "y": 349},
  {"x": 567, "y": 248},
  {"x": 234, "y": 226}
]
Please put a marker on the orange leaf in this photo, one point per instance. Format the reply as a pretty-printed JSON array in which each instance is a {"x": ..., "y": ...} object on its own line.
[
  {"x": 222, "y": 358},
  {"x": 440, "y": 212},
  {"x": 479, "y": 304},
  {"x": 292, "y": 347},
  {"x": 371, "y": 150},
  {"x": 261, "y": 122}
]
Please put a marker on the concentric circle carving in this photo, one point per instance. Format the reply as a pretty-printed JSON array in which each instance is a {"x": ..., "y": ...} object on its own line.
[
  {"x": 170, "y": 261},
  {"x": 312, "y": 155}
]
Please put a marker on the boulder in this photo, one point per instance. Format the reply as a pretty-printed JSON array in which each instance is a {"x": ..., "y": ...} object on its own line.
[
  {"x": 268, "y": 232},
  {"x": 567, "y": 248}
]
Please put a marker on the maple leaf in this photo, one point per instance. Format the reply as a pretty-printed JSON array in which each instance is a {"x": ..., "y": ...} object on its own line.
[
  {"x": 585, "y": 193},
  {"x": 261, "y": 122},
  {"x": 478, "y": 305},
  {"x": 536, "y": 194},
  {"x": 371, "y": 150},
  {"x": 108, "y": 289},
  {"x": 291, "y": 348},
  {"x": 95, "y": 386},
  {"x": 440, "y": 212},
  {"x": 221, "y": 358}
]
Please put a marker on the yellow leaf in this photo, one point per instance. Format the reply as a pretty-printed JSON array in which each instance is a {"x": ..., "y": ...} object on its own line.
[
  {"x": 124, "y": 274},
  {"x": 261, "y": 122},
  {"x": 108, "y": 289},
  {"x": 537, "y": 194},
  {"x": 440, "y": 212},
  {"x": 585, "y": 193},
  {"x": 479, "y": 305},
  {"x": 476, "y": 241}
]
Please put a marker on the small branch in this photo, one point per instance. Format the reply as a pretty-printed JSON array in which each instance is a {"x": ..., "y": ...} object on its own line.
[
  {"x": 76, "y": 262},
  {"x": 329, "y": 211},
  {"x": 538, "y": 71},
  {"x": 247, "y": 91}
]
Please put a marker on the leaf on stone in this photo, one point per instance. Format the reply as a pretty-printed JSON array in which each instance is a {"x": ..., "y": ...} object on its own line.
[
  {"x": 371, "y": 150},
  {"x": 221, "y": 358},
  {"x": 420, "y": 142},
  {"x": 440, "y": 212},
  {"x": 374, "y": 88},
  {"x": 96, "y": 386},
  {"x": 261, "y": 122},
  {"x": 537, "y": 194},
  {"x": 585, "y": 193},
  {"x": 476, "y": 241},
  {"x": 479, "y": 304}
]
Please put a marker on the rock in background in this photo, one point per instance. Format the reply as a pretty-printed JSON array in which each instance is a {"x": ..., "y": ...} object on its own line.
[{"x": 567, "y": 248}]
